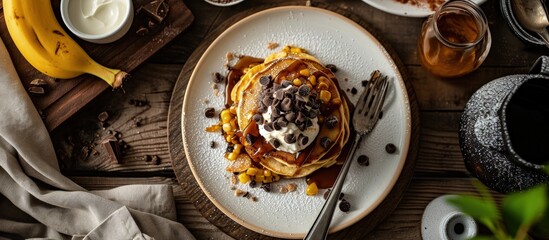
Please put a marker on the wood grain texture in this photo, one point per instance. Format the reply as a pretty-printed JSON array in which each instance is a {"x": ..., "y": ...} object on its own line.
[
  {"x": 65, "y": 97},
  {"x": 214, "y": 215}
]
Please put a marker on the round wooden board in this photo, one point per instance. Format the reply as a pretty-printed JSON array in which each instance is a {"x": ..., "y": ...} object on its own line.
[{"x": 208, "y": 209}]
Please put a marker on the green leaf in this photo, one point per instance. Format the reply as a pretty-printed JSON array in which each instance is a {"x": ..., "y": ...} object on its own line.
[
  {"x": 522, "y": 209},
  {"x": 481, "y": 210}
]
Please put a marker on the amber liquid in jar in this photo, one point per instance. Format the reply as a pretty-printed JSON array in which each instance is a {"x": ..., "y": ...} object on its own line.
[{"x": 455, "y": 40}]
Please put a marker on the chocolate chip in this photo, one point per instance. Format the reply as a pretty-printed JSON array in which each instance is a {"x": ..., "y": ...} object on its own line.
[
  {"x": 275, "y": 143},
  {"x": 286, "y": 105},
  {"x": 37, "y": 90},
  {"x": 142, "y": 31},
  {"x": 302, "y": 127},
  {"x": 331, "y": 121},
  {"x": 262, "y": 109},
  {"x": 312, "y": 113},
  {"x": 290, "y": 116},
  {"x": 363, "y": 160},
  {"x": 344, "y": 206},
  {"x": 279, "y": 94},
  {"x": 267, "y": 101},
  {"x": 332, "y": 67},
  {"x": 276, "y": 86},
  {"x": 276, "y": 126},
  {"x": 209, "y": 112},
  {"x": 288, "y": 94},
  {"x": 250, "y": 139},
  {"x": 286, "y": 83},
  {"x": 304, "y": 90},
  {"x": 253, "y": 184},
  {"x": 364, "y": 83},
  {"x": 266, "y": 187},
  {"x": 325, "y": 142},
  {"x": 218, "y": 78},
  {"x": 313, "y": 95},
  {"x": 268, "y": 127},
  {"x": 308, "y": 123},
  {"x": 292, "y": 89},
  {"x": 39, "y": 82},
  {"x": 258, "y": 118},
  {"x": 230, "y": 148},
  {"x": 341, "y": 195},
  {"x": 354, "y": 91},
  {"x": 281, "y": 121},
  {"x": 212, "y": 144},
  {"x": 275, "y": 113},
  {"x": 301, "y": 118},
  {"x": 303, "y": 140},
  {"x": 381, "y": 115},
  {"x": 265, "y": 80},
  {"x": 390, "y": 148},
  {"x": 290, "y": 138}
]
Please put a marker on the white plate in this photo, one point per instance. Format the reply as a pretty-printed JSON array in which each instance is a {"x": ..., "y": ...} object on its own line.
[
  {"x": 334, "y": 39},
  {"x": 405, "y": 9}
]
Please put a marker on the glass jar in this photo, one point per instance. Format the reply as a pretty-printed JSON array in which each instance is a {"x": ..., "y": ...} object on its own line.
[{"x": 455, "y": 40}]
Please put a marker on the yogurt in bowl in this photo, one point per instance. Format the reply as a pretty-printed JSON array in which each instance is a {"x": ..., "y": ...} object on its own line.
[{"x": 97, "y": 21}]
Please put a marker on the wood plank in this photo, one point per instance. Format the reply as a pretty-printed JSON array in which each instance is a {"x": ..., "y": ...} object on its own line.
[
  {"x": 403, "y": 223},
  {"x": 152, "y": 84}
]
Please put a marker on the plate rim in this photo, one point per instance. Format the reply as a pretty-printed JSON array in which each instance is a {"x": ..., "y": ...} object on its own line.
[
  {"x": 406, "y": 136},
  {"x": 381, "y": 7}
]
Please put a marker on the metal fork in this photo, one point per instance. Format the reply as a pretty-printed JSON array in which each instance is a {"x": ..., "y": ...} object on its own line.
[{"x": 365, "y": 117}]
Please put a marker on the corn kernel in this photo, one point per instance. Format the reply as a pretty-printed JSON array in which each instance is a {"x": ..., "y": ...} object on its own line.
[
  {"x": 322, "y": 86},
  {"x": 227, "y": 127},
  {"x": 311, "y": 189},
  {"x": 286, "y": 48},
  {"x": 245, "y": 70},
  {"x": 232, "y": 156},
  {"x": 232, "y": 110},
  {"x": 296, "y": 50},
  {"x": 304, "y": 72},
  {"x": 325, "y": 96},
  {"x": 226, "y": 116},
  {"x": 237, "y": 148},
  {"x": 267, "y": 173},
  {"x": 323, "y": 79},
  {"x": 268, "y": 179},
  {"x": 336, "y": 101},
  {"x": 259, "y": 178},
  {"x": 312, "y": 79},
  {"x": 276, "y": 177},
  {"x": 233, "y": 123},
  {"x": 252, "y": 171},
  {"x": 297, "y": 82},
  {"x": 213, "y": 128},
  {"x": 243, "y": 178},
  {"x": 228, "y": 138}
]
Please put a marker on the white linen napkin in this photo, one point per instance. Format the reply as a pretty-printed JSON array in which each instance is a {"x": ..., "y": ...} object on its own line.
[{"x": 37, "y": 201}]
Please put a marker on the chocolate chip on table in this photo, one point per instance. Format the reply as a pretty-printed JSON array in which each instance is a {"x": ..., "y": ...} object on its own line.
[
  {"x": 266, "y": 187},
  {"x": 331, "y": 121},
  {"x": 155, "y": 160},
  {"x": 332, "y": 67},
  {"x": 39, "y": 82},
  {"x": 218, "y": 78},
  {"x": 209, "y": 112},
  {"x": 157, "y": 10},
  {"x": 265, "y": 80},
  {"x": 344, "y": 206},
  {"x": 103, "y": 116},
  {"x": 37, "y": 90},
  {"x": 325, "y": 142},
  {"x": 363, "y": 160},
  {"x": 390, "y": 148}
]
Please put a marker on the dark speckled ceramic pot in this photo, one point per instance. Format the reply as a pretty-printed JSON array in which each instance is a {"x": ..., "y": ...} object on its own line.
[{"x": 484, "y": 139}]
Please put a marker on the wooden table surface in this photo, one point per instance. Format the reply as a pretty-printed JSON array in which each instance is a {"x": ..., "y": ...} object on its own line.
[{"x": 439, "y": 169}]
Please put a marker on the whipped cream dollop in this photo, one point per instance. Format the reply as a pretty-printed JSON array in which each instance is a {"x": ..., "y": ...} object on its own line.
[{"x": 287, "y": 116}]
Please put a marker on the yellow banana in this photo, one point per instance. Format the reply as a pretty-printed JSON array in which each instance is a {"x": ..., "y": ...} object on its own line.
[{"x": 47, "y": 47}]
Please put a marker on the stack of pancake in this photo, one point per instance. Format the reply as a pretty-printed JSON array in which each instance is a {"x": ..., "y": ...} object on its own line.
[{"x": 292, "y": 65}]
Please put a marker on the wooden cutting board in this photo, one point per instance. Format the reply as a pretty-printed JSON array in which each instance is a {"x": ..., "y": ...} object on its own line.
[
  {"x": 184, "y": 174},
  {"x": 65, "y": 97}
]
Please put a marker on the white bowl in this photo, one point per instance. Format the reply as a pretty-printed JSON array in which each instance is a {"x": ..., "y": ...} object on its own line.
[{"x": 106, "y": 34}]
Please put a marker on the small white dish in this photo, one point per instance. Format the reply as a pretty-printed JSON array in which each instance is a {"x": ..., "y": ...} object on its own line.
[
  {"x": 97, "y": 21},
  {"x": 406, "y": 9},
  {"x": 223, "y": 3}
]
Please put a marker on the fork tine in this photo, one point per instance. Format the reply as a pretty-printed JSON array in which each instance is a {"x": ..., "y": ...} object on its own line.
[
  {"x": 361, "y": 104},
  {"x": 371, "y": 96},
  {"x": 377, "y": 104}
]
